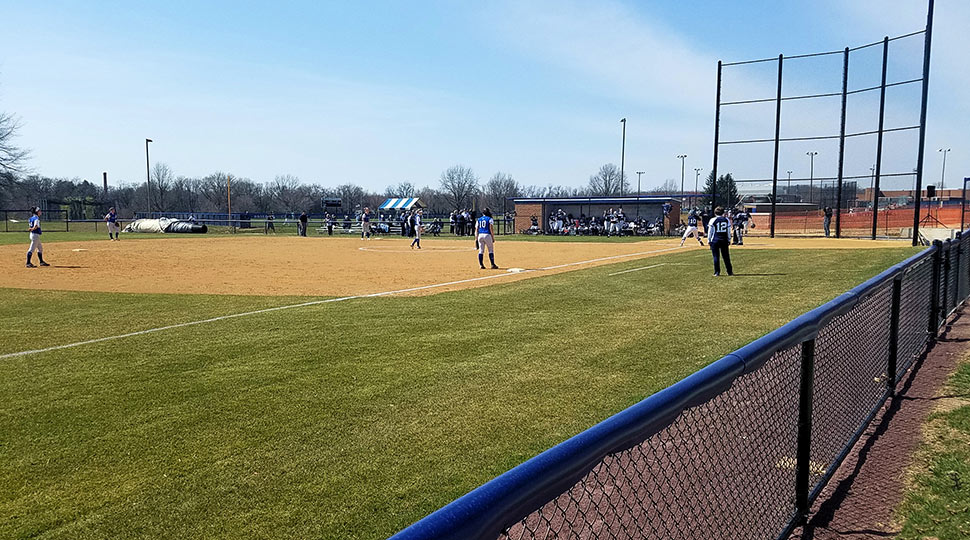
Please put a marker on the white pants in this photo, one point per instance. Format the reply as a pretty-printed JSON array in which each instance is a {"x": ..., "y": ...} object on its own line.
[
  {"x": 113, "y": 228},
  {"x": 35, "y": 244},
  {"x": 485, "y": 240},
  {"x": 691, "y": 230}
]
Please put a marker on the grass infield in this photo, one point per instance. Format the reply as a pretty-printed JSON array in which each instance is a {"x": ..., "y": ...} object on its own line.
[{"x": 352, "y": 419}]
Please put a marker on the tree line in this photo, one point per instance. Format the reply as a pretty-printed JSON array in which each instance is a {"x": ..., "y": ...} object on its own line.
[{"x": 457, "y": 187}]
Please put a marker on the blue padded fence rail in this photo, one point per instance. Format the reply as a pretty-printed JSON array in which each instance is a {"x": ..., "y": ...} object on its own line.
[{"x": 485, "y": 512}]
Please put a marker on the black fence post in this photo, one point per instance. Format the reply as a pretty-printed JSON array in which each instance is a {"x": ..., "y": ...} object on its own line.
[
  {"x": 927, "y": 45},
  {"x": 717, "y": 137},
  {"x": 945, "y": 283},
  {"x": 957, "y": 244},
  {"x": 893, "y": 361},
  {"x": 934, "y": 325},
  {"x": 804, "y": 450}
]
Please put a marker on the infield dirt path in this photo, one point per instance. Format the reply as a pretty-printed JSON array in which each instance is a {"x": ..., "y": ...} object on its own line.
[{"x": 274, "y": 266}]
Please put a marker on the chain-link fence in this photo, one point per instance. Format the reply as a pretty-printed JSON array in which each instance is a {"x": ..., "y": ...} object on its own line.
[
  {"x": 740, "y": 449},
  {"x": 51, "y": 220}
]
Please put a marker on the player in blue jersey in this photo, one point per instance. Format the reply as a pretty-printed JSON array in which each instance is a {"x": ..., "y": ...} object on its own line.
[
  {"x": 111, "y": 218},
  {"x": 692, "y": 220},
  {"x": 719, "y": 238},
  {"x": 33, "y": 227},
  {"x": 485, "y": 239}
]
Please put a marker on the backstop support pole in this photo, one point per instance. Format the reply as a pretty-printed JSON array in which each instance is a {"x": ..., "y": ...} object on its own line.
[
  {"x": 838, "y": 189},
  {"x": 717, "y": 135},
  {"x": 918, "y": 195},
  {"x": 774, "y": 175},
  {"x": 882, "y": 120},
  {"x": 934, "y": 323}
]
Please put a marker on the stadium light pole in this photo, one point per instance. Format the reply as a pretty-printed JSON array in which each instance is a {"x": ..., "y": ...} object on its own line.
[
  {"x": 682, "y": 158},
  {"x": 788, "y": 191},
  {"x": 811, "y": 174},
  {"x": 622, "y": 155},
  {"x": 943, "y": 172},
  {"x": 148, "y": 179}
]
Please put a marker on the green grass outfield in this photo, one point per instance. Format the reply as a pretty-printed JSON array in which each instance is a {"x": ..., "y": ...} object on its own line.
[
  {"x": 938, "y": 503},
  {"x": 351, "y": 419}
]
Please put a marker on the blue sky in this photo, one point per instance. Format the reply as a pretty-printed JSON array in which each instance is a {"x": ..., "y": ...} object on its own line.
[{"x": 377, "y": 93}]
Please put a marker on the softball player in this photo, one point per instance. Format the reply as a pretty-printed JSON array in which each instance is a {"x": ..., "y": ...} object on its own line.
[
  {"x": 719, "y": 238},
  {"x": 33, "y": 227},
  {"x": 111, "y": 218},
  {"x": 365, "y": 224},
  {"x": 485, "y": 239},
  {"x": 691, "y": 229},
  {"x": 417, "y": 229}
]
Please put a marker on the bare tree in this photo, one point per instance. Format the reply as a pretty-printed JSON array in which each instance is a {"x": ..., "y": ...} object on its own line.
[
  {"x": 162, "y": 179},
  {"x": 669, "y": 186},
  {"x": 500, "y": 186},
  {"x": 404, "y": 189},
  {"x": 213, "y": 189},
  {"x": 286, "y": 190},
  {"x": 459, "y": 185},
  {"x": 607, "y": 181},
  {"x": 12, "y": 157}
]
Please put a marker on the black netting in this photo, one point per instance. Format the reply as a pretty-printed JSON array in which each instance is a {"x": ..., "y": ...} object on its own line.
[
  {"x": 722, "y": 469},
  {"x": 914, "y": 313},
  {"x": 850, "y": 375}
]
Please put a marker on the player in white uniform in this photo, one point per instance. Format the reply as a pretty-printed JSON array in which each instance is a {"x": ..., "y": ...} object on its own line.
[
  {"x": 417, "y": 229},
  {"x": 692, "y": 228},
  {"x": 485, "y": 239},
  {"x": 33, "y": 227}
]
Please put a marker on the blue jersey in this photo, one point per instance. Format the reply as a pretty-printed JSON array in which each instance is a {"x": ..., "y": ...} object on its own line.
[
  {"x": 34, "y": 221},
  {"x": 692, "y": 220},
  {"x": 484, "y": 225},
  {"x": 718, "y": 230},
  {"x": 111, "y": 217}
]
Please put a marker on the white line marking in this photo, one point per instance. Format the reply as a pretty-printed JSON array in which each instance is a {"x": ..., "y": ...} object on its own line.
[
  {"x": 315, "y": 303},
  {"x": 637, "y": 269},
  {"x": 646, "y": 268}
]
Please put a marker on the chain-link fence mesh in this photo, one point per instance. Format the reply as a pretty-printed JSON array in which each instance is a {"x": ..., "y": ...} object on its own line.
[
  {"x": 850, "y": 360},
  {"x": 914, "y": 313},
  {"x": 722, "y": 466},
  {"x": 728, "y": 465}
]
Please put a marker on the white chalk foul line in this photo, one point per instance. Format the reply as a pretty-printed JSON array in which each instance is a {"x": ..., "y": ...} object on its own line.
[{"x": 312, "y": 303}]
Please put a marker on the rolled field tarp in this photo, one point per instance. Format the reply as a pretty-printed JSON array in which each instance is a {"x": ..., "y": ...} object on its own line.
[
  {"x": 165, "y": 225},
  {"x": 186, "y": 227}
]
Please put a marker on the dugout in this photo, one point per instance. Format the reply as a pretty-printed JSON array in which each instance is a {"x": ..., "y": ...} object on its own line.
[{"x": 645, "y": 207}]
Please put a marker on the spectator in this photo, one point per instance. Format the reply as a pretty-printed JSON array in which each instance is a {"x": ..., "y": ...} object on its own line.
[
  {"x": 827, "y": 220},
  {"x": 270, "y": 225}
]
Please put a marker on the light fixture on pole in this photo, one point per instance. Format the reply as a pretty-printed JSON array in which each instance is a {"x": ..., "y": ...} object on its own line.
[
  {"x": 811, "y": 173},
  {"x": 943, "y": 172},
  {"x": 788, "y": 191},
  {"x": 148, "y": 179},
  {"x": 682, "y": 158},
  {"x": 622, "y": 155},
  {"x": 639, "y": 174},
  {"x": 697, "y": 176}
]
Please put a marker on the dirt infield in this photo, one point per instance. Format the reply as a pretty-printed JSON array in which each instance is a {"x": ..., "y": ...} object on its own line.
[{"x": 276, "y": 266}]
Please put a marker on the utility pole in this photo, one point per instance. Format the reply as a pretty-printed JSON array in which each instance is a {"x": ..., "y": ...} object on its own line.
[
  {"x": 148, "y": 179},
  {"x": 682, "y": 158},
  {"x": 811, "y": 174}
]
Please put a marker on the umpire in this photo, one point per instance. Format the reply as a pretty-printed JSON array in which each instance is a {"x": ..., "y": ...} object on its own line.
[{"x": 719, "y": 238}]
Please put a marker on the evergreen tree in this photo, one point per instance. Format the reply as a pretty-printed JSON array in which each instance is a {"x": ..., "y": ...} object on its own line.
[{"x": 727, "y": 195}]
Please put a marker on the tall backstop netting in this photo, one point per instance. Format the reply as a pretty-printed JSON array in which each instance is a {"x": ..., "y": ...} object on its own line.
[{"x": 841, "y": 129}]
